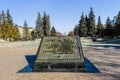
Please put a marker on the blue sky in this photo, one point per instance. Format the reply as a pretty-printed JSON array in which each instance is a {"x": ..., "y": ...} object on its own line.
[{"x": 64, "y": 14}]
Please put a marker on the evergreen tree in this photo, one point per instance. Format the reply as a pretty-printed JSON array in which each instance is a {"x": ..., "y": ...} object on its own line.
[
  {"x": 87, "y": 23},
  {"x": 0, "y": 19},
  {"x": 53, "y": 31},
  {"x": 2, "y": 25},
  {"x": 76, "y": 30},
  {"x": 9, "y": 23},
  {"x": 25, "y": 32},
  {"x": 91, "y": 24},
  {"x": 16, "y": 33},
  {"x": 9, "y": 18},
  {"x": 114, "y": 21},
  {"x": 4, "y": 31},
  {"x": 46, "y": 24},
  {"x": 109, "y": 28},
  {"x": 82, "y": 27},
  {"x": 39, "y": 26},
  {"x": 3, "y": 16},
  {"x": 7, "y": 29},
  {"x": 99, "y": 27},
  {"x": 117, "y": 25}
]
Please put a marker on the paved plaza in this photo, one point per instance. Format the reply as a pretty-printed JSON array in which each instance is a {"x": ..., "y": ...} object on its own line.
[{"x": 105, "y": 58}]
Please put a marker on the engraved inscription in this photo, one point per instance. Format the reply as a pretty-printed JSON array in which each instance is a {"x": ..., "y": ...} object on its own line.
[{"x": 59, "y": 46}]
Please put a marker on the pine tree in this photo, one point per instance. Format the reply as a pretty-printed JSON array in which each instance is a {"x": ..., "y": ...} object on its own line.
[
  {"x": 9, "y": 23},
  {"x": 7, "y": 29},
  {"x": 53, "y": 31},
  {"x": 16, "y": 32},
  {"x": 91, "y": 24},
  {"x": 0, "y": 23},
  {"x": 3, "y": 16},
  {"x": 4, "y": 31},
  {"x": 0, "y": 19},
  {"x": 76, "y": 30},
  {"x": 39, "y": 26},
  {"x": 6, "y": 26},
  {"x": 9, "y": 18},
  {"x": 87, "y": 23},
  {"x": 82, "y": 27},
  {"x": 109, "y": 28},
  {"x": 3, "y": 27},
  {"x": 25, "y": 32},
  {"x": 99, "y": 27},
  {"x": 117, "y": 25},
  {"x": 46, "y": 24}
]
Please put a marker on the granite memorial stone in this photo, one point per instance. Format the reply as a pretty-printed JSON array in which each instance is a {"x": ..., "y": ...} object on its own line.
[{"x": 60, "y": 54}]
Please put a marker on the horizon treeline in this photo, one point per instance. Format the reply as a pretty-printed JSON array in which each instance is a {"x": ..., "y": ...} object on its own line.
[
  {"x": 43, "y": 26},
  {"x": 10, "y": 31},
  {"x": 87, "y": 27}
]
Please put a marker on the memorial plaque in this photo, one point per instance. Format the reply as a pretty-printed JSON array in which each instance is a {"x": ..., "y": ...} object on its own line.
[{"x": 59, "y": 54}]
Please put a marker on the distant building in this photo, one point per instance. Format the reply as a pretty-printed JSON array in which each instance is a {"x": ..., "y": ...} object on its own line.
[
  {"x": 58, "y": 34},
  {"x": 21, "y": 30},
  {"x": 71, "y": 33}
]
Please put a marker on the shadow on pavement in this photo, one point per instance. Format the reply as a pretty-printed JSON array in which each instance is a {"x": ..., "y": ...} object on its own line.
[
  {"x": 107, "y": 46},
  {"x": 91, "y": 68},
  {"x": 28, "y": 68},
  {"x": 31, "y": 58}
]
